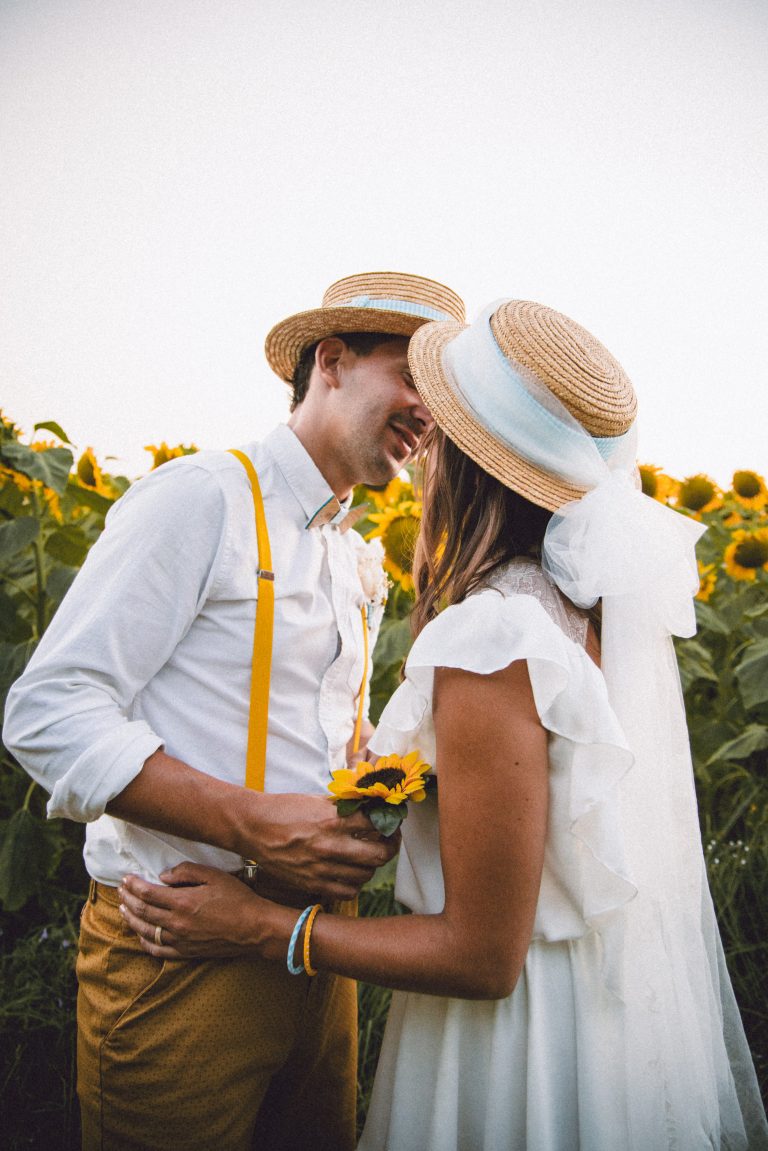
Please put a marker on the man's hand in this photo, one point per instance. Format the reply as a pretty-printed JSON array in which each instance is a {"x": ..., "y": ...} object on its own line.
[{"x": 300, "y": 840}]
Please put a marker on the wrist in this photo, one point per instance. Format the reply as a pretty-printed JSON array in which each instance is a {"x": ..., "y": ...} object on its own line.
[
  {"x": 271, "y": 929},
  {"x": 247, "y": 817}
]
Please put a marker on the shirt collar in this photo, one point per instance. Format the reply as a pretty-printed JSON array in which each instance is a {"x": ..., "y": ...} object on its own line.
[{"x": 318, "y": 503}]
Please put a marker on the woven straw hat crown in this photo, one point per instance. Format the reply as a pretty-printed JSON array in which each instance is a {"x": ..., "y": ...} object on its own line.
[
  {"x": 540, "y": 342},
  {"x": 392, "y": 303}
]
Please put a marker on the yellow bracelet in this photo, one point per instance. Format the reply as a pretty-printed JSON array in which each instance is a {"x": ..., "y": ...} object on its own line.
[{"x": 310, "y": 970}]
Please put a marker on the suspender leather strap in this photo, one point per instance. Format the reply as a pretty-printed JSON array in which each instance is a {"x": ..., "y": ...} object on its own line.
[{"x": 256, "y": 753}]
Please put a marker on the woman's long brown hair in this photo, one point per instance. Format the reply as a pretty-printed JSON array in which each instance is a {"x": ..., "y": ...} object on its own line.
[{"x": 470, "y": 524}]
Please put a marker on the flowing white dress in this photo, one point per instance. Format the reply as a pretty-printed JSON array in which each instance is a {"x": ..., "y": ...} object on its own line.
[{"x": 585, "y": 1054}]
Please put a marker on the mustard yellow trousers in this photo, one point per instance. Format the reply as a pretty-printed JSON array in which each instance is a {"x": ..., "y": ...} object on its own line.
[{"x": 208, "y": 1055}]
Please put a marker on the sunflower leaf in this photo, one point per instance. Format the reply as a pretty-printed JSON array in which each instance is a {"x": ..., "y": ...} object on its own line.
[
  {"x": 386, "y": 819},
  {"x": 752, "y": 674},
  {"x": 757, "y": 611},
  {"x": 52, "y": 465},
  {"x": 68, "y": 545},
  {"x": 753, "y": 738},
  {"x": 15, "y": 535},
  {"x": 695, "y": 662},
  {"x": 348, "y": 806},
  {"x": 52, "y": 426},
  {"x": 709, "y": 620},
  {"x": 22, "y": 856},
  {"x": 393, "y": 643}
]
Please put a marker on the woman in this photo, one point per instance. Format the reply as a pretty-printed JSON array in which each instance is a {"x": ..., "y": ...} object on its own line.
[{"x": 560, "y": 905}]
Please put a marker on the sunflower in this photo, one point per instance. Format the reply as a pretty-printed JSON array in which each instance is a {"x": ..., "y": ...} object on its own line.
[
  {"x": 708, "y": 581},
  {"x": 747, "y": 554},
  {"x": 162, "y": 453},
  {"x": 22, "y": 482},
  {"x": 90, "y": 475},
  {"x": 750, "y": 490},
  {"x": 54, "y": 504},
  {"x": 9, "y": 426},
  {"x": 395, "y": 492},
  {"x": 656, "y": 483},
  {"x": 699, "y": 494},
  {"x": 398, "y": 526},
  {"x": 88, "y": 470},
  {"x": 392, "y": 778}
]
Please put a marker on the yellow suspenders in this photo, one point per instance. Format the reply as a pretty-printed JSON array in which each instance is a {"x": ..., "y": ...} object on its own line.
[
  {"x": 261, "y": 667},
  {"x": 361, "y": 698}
]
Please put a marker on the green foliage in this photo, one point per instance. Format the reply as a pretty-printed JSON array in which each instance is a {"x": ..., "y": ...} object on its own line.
[
  {"x": 391, "y": 650},
  {"x": 38, "y": 1107},
  {"x": 49, "y": 517},
  {"x": 48, "y": 520},
  {"x": 724, "y": 672}
]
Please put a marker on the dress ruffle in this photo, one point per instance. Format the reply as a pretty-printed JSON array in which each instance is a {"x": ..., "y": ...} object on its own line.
[{"x": 585, "y": 877}]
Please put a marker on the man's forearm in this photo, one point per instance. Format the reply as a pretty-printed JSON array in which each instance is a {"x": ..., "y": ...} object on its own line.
[{"x": 170, "y": 796}]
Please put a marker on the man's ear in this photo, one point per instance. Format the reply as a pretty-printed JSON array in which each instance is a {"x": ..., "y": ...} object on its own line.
[{"x": 328, "y": 355}]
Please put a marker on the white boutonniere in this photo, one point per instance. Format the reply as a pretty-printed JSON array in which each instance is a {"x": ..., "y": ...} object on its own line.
[{"x": 373, "y": 579}]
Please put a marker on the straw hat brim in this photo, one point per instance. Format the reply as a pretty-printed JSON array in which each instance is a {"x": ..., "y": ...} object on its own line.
[
  {"x": 288, "y": 339},
  {"x": 460, "y": 425}
]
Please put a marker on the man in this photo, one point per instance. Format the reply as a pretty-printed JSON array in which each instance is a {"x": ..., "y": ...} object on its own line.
[{"x": 134, "y": 714}]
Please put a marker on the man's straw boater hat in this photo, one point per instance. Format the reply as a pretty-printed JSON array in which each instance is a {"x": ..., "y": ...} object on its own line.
[
  {"x": 520, "y": 350},
  {"x": 392, "y": 303}
]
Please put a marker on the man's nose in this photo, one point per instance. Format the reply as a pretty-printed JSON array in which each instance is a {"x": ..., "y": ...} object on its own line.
[{"x": 421, "y": 412}]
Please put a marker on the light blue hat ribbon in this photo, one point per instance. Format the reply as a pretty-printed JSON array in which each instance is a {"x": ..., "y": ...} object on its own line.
[
  {"x": 516, "y": 408},
  {"x": 423, "y": 311}
]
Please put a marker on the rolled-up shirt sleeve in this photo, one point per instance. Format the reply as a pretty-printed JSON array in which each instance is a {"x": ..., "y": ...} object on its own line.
[{"x": 69, "y": 719}]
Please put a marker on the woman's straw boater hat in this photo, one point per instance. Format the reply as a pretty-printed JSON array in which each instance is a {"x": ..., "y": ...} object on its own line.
[
  {"x": 392, "y": 303},
  {"x": 529, "y": 345}
]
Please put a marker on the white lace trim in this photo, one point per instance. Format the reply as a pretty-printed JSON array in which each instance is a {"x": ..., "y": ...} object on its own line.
[{"x": 525, "y": 577}]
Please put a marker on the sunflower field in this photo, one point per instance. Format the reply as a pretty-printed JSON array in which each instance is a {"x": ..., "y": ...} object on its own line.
[{"x": 53, "y": 501}]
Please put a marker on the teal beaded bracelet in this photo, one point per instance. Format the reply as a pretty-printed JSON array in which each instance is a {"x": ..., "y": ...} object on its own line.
[{"x": 297, "y": 968}]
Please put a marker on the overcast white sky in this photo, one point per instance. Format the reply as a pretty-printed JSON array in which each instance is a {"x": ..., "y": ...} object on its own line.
[{"x": 177, "y": 175}]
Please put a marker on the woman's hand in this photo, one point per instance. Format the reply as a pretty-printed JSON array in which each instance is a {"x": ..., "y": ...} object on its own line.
[{"x": 203, "y": 913}]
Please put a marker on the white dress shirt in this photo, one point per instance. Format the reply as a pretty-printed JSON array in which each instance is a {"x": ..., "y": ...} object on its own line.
[{"x": 152, "y": 647}]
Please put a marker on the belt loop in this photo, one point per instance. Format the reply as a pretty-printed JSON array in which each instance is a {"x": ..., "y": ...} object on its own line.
[{"x": 92, "y": 891}]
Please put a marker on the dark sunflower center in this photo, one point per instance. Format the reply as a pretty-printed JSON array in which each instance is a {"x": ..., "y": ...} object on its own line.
[
  {"x": 86, "y": 471},
  {"x": 649, "y": 482},
  {"x": 696, "y": 493},
  {"x": 751, "y": 553},
  {"x": 746, "y": 484},
  {"x": 399, "y": 540},
  {"x": 389, "y": 776}
]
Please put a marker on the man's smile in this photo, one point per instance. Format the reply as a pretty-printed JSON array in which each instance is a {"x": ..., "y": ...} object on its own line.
[{"x": 407, "y": 436}]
